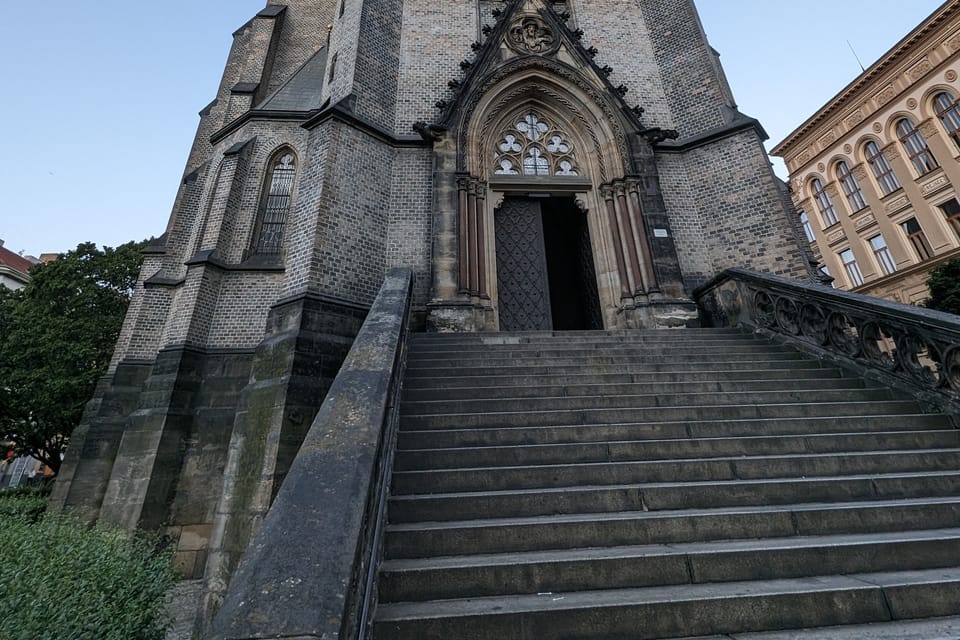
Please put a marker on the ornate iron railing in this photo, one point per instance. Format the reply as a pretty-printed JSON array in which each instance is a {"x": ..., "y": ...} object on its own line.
[{"x": 912, "y": 348}]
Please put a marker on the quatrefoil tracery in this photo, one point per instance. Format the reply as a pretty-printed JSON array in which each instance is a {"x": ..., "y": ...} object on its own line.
[{"x": 534, "y": 147}]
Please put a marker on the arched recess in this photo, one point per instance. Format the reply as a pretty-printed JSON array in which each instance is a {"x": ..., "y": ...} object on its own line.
[{"x": 599, "y": 173}]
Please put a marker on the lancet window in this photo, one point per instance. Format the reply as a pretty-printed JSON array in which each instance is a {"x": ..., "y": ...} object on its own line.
[
  {"x": 275, "y": 204},
  {"x": 533, "y": 146}
]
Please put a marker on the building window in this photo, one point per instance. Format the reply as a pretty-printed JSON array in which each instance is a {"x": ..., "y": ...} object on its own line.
[
  {"x": 951, "y": 209},
  {"x": 916, "y": 146},
  {"x": 881, "y": 168},
  {"x": 824, "y": 203},
  {"x": 851, "y": 187},
  {"x": 807, "y": 229},
  {"x": 535, "y": 147},
  {"x": 882, "y": 254},
  {"x": 853, "y": 270},
  {"x": 917, "y": 238},
  {"x": 275, "y": 204},
  {"x": 948, "y": 110}
]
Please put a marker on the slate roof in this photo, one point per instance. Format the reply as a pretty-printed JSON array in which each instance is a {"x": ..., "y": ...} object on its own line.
[{"x": 302, "y": 91}]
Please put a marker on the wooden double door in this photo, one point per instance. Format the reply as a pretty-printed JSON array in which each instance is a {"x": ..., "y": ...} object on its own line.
[{"x": 546, "y": 278}]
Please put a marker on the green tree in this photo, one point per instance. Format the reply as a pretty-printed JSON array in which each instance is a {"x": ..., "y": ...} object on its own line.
[
  {"x": 944, "y": 284},
  {"x": 56, "y": 338}
]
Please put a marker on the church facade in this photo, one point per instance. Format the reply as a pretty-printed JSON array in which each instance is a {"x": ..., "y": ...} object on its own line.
[{"x": 539, "y": 165}]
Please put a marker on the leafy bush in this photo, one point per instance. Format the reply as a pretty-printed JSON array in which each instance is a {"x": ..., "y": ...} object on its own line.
[
  {"x": 60, "y": 580},
  {"x": 944, "y": 283},
  {"x": 25, "y": 503}
]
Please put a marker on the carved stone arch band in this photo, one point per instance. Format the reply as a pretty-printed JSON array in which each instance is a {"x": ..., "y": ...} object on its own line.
[
  {"x": 552, "y": 83},
  {"x": 593, "y": 137}
]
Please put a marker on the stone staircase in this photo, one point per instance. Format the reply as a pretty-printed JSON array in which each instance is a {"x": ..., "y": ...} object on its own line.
[{"x": 663, "y": 484}]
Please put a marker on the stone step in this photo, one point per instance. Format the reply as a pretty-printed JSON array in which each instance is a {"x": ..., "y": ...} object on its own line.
[
  {"x": 812, "y": 371},
  {"x": 718, "y": 369},
  {"x": 627, "y": 431},
  {"x": 945, "y": 628},
  {"x": 630, "y": 528},
  {"x": 650, "y": 613},
  {"x": 665, "y": 496},
  {"x": 441, "y": 356},
  {"x": 427, "y": 343},
  {"x": 517, "y": 337},
  {"x": 678, "y": 470},
  {"x": 659, "y": 484},
  {"x": 635, "y": 388},
  {"x": 648, "y": 450},
  {"x": 625, "y": 359},
  {"x": 571, "y": 403},
  {"x": 574, "y": 570},
  {"x": 543, "y": 418}
]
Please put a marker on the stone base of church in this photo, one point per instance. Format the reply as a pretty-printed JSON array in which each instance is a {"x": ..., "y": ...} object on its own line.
[
  {"x": 658, "y": 314},
  {"x": 459, "y": 317}
]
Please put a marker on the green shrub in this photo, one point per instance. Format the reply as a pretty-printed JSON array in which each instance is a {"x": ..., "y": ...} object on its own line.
[
  {"x": 25, "y": 503},
  {"x": 944, "y": 284},
  {"x": 60, "y": 580}
]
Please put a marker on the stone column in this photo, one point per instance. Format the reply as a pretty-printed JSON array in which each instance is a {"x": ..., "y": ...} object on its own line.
[
  {"x": 481, "y": 239},
  {"x": 636, "y": 277},
  {"x": 462, "y": 184},
  {"x": 607, "y": 191},
  {"x": 640, "y": 229}
]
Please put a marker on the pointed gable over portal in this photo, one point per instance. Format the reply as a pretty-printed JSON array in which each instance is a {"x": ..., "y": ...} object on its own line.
[{"x": 534, "y": 114}]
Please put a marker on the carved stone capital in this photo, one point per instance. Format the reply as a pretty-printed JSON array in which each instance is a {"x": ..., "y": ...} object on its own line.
[
  {"x": 859, "y": 172},
  {"x": 607, "y": 192},
  {"x": 891, "y": 152},
  {"x": 928, "y": 128},
  {"x": 634, "y": 185}
]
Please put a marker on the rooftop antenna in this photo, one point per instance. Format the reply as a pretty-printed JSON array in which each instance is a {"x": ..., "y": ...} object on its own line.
[{"x": 862, "y": 68}]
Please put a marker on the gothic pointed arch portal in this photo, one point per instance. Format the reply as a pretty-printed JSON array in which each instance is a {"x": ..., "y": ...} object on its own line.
[{"x": 540, "y": 130}]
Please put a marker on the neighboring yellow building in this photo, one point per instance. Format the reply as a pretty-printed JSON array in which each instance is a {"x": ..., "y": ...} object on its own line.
[{"x": 875, "y": 173}]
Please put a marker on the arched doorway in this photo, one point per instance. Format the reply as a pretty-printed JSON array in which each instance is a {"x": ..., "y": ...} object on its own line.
[{"x": 546, "y": 278}]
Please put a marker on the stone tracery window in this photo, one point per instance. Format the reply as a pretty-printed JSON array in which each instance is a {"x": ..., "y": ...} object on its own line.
[
  {"x": 535, "y": 147},
  {"x": 275, "y": 204}
]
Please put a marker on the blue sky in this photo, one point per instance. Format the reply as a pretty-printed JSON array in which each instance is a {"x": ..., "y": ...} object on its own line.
[{"x": 101, "y": 100}]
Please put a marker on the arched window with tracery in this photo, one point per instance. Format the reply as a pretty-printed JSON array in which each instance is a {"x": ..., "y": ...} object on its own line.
[
  {"x": 948, "y": 110},
  {"x": 916, "y": 146},
  {"x": 275, "y": 204},
  {"x": 534, "y": 146}
]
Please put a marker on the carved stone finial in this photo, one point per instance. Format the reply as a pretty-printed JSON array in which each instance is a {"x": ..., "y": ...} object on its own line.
[
  {"x": 592, "y": 52},
  {"x": 429, "y": 131},
  {"x": 465, "y": 64},
  {"x": 476, "y": 46},
  {"x": 622, "y": 90},
  {"x": 637, "y": 110},
  {"x": 565, "y": 16},
  {"x": 577, "y": 34},
  {"x": 441, "y": 104},
  {"x": 606, "y": 70},
  {"x": 454, "y": 84},
  {"x": 496, "y": 13},
  {"x": 486, "y": 29}
]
